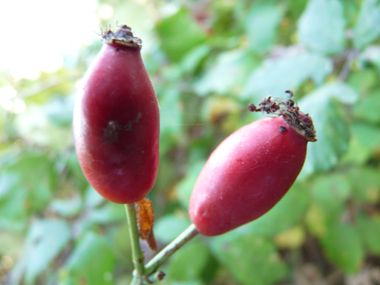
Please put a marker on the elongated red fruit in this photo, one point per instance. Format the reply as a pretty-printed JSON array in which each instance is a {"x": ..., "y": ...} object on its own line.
[
  {"x": 116, "y": 121},
  {"x": 252, "y": 169}
]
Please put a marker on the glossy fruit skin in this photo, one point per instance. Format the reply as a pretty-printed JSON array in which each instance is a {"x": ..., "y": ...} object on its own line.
[
  {"x": 116, "y": 125},
  {"x": 248, "y": 173}
]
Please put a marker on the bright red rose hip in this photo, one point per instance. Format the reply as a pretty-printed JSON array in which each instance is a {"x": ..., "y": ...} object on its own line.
[
  {"x": 252, "y": 169},
  {"x": 116, "y": 121}
]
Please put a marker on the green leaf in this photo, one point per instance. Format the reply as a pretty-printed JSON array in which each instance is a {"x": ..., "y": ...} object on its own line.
[
  {"x": 365, "y": 183},
  {"x": 99, "y": 214},
  {"x": 363, "y": 81},
  {"x": 369, "y": 230},
  {"x": 351, "y": 9},
  {"x": 185, "y": 187},
  {"x": 8, "y": 182},
  {"x": 325, "y": 107},
  {"x": 275, "y": 76},
  {"x": 343, "y": 247},
  {"x": 284, "y": 215},
  {"x": 251, "y": 260},
  {"x": 170, "y": 117},
  {"x": 60, "y": 111},
  {"x": 261, "y": 25},
  {"x": 189, "y": 262},
  {"x": 67, "y": 207},
  {"x": 46, "y": 239},
  {"x": 193, "y": 59},
  {"x": 91, "y": 262},
  {"x": 367, "y": 27},
  {"x": 11, "y": 244},
  {"x": 330, "y": 194},
  {"x": 109, "y": 213},
  {"x": 13, "y": 211},
  {"x": 40, "y": 182},
  {"x": 368, "y": 108},
  {"x": 34, "y": 126},
  {"x": 191, "y": 282},
  {"x": 321, "y": 27},
  {"x": 76, "y": 173},
  {"x": 179, "y": 34},
  {"x": 218, "y": 79},
  {"x": 169, "y": 227},
  {"x": 365, "y": 139},
  {"x": 92, "y": 198},
  {"x": 122, "y": 246},
  {"x": 372, "y": 55}
]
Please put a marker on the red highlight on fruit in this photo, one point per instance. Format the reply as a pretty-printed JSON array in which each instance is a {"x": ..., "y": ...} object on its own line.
[
  {"x": 252, "y": 169},
  {"x": 116, "y": 121}
]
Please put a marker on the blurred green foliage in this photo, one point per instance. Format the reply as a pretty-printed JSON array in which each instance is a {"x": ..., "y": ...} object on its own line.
[{"x": 207, "y": 61}]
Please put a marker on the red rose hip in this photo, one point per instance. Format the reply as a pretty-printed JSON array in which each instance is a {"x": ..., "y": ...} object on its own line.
[
  {"x": 252, "y": 169},
  {"x": 116, "y": 121}
]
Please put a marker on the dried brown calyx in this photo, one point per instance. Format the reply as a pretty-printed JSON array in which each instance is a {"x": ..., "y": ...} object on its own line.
[
  {"x": 123, "y": 36},
  {"x": 300, "y": 122}
]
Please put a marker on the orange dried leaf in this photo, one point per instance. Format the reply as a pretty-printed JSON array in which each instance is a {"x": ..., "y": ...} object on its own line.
[{"x": 145, "y": 220}]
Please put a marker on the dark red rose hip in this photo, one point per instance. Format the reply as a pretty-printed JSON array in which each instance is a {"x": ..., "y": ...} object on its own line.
[
  {"x": 252, "y": 169},
  {"x": 116, "y": 121}
]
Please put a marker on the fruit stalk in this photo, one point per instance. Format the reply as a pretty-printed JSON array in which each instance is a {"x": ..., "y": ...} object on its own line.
[
  {"x": 137, "y": 254},
  {"x": 170, "y": 249}
]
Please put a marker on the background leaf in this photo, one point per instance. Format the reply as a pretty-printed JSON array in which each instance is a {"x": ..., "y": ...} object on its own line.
[
  {"x": 92, "y": 261},
  {"x": 169, "y": 227},
  {"x": 321, "y": 26},
  {"x": 179, "y": 34},
  {"x": 285, "y": 214},
  {"x": 343, "y": 246},
  {"x": 251, "y": 260},
  {"x": 368, "y": 25},
  {"x": 275, "y": 76},
  {"x": 218, "y": 78},
  {"x": 261, "y": 25},
  {"x": 364, "y": 141},
  {"x": 188, "y": 264},
  {"x": 46, "y": 239},
  {"x": 368, "y": 230},
  {"x": 329, "y": 121}
]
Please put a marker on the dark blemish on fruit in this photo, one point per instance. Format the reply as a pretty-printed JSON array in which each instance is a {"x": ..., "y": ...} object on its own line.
[
  {"x": 129, "y": 125},
  {"x": 111, "y": 132},
  {"x": 203, "y": 213},
  {"x": 283, "y": 129}
]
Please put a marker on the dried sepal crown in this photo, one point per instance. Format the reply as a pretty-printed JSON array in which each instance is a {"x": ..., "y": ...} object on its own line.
[
  {"x": 123, "y": 36},
  {"x": 300, "y": 122}
]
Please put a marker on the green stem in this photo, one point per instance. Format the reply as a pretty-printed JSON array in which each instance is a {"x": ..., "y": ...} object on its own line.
[
  {"x": 137, "y": 254},
  {"x": 171, "y": 248}
]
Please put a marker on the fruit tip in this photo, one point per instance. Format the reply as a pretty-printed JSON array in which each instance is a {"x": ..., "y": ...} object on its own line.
[
  {"x": 122, "y": 36},
  {"x": 300, "y": 122}
]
